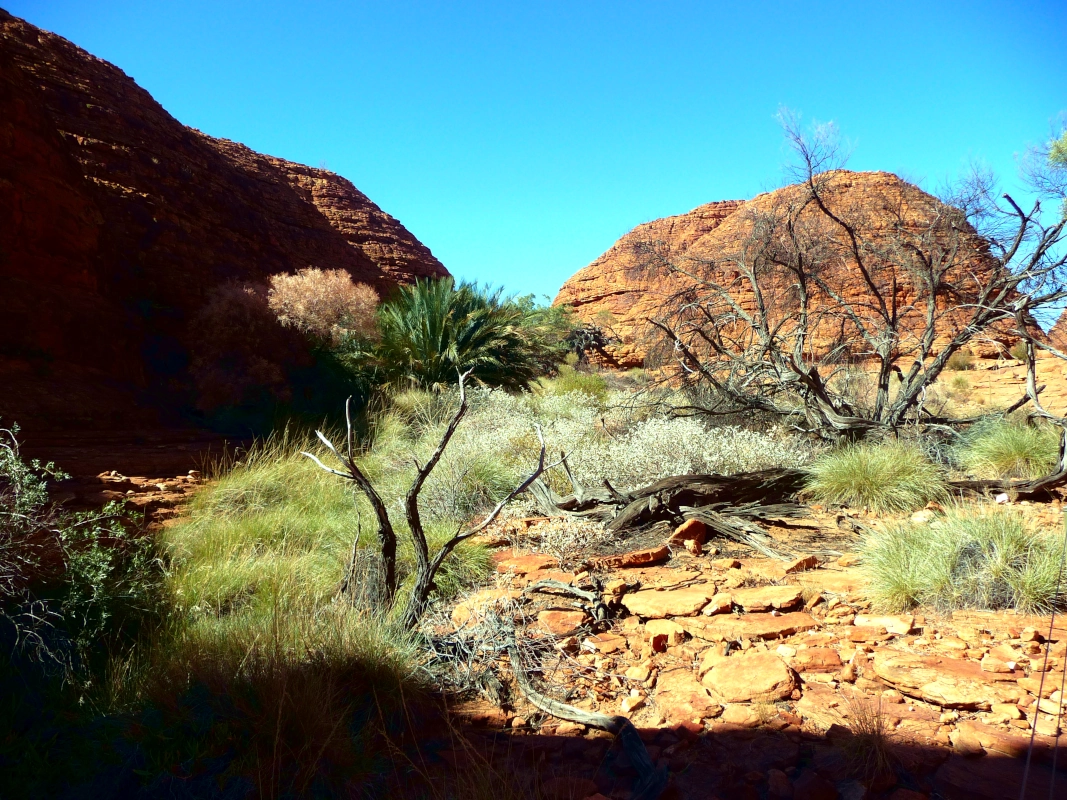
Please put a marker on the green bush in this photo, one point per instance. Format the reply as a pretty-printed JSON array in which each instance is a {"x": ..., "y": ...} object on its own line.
[
  {"x": 887, "y": 476},
  {"x": 432, "y": 330},
  {"x": 569, "y": 379},
  {"x": 68, "y": 581},
  {"x": 1018, "y": 351},
  {"x": 1008, "y": 448},
  {"x": 985, "y": 558}
]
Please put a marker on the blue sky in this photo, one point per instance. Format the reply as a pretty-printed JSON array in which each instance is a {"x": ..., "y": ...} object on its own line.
[{"x": 519, "y": 140}]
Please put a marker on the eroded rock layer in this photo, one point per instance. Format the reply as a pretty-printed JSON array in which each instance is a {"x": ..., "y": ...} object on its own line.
[
  {"x": 117, "y": 223},
  {"x": 631, "y": 283}
]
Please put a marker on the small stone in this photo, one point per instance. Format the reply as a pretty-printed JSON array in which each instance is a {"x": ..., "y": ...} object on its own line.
[
  {"x": 638, "y": 673},
  {"x": 1006, "y": 710},
  {"x": 630, "y": 704},
  {"x": 726, "y": 563},
  {"x": 948, "y": 716},
  {"x": 672, "y": 630},
  {"x": 635, "y": 558},
  {"x": 561, "y": 623},
  {"x": 785, "y": 651},
  {"x": 616, "y": 587},
  {"x": 848, "y": 560},
  {"x": 569, "y": 728},
  {"x": 923, "y": 517},
  {"x": 892, "y": 696},
  {"x": 802, "y": 564},
  {"x": 719, "y": 604},
  {"x": 524, "y": 565},
  {"x": 691, "y": 530}
]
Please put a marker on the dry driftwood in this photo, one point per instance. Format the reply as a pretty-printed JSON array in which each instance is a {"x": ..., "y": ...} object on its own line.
[
  {"x": 729, "y": 505},
  {"x": 651, "y": 781}
]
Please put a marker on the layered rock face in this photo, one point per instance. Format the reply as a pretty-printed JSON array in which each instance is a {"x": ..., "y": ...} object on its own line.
[
  {"x": 118, "y": 223},
  {"x": 631, "y": 283}
]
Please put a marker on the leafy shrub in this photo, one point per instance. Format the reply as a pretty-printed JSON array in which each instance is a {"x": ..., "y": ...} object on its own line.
[
  {"x": 1018, "y": 351},
  {"x": 570, "y": 379},
  {"x": 432, "y": 330},
  {"x": 68, "y": 581},
  {"x": 886, "y": 476},
  {"x": 1009, "y": 448},
  {"x": 985, "y": 558},
  {"x": 324, "y": 304}
]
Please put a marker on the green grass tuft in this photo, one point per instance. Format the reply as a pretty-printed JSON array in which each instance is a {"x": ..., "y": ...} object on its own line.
[
  {"x": 888, "y": 476},
  {"x": 1009, "y": 448},
  {"x": 571, "y": 379},
  {"x": 985, "y": 558}
]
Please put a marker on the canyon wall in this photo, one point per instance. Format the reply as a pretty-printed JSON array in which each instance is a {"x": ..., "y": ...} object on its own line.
[{"x": 118, "y": 225}]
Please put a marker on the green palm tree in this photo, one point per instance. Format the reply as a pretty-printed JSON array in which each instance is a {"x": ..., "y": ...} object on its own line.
[{"x": 434, "y": 329}]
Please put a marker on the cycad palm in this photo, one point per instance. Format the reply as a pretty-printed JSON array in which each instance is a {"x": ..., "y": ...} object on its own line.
[{"x": 432, "y": 330}]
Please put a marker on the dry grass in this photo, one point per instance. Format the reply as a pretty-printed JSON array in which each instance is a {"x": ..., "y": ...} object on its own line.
[
  {"x": 886, "y": 476},
  {"x": 868, "y": 750}
]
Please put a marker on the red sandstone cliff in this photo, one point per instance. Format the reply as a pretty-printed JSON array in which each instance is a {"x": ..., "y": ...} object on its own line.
[
  {"x": 621, "y": 292},
  {"x": 117, "y": 223}
]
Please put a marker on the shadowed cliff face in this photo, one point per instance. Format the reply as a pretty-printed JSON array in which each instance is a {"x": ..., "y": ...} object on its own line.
[
  {"x": 117, "y": 223},
  {"x": 624, "y": 288}
]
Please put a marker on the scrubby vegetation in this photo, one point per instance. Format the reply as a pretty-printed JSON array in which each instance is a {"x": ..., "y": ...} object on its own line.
[
  {"x": 1008, "y": 448},
  {"x": 973, "y": 557},
  {"x": 884, "y": 476}
]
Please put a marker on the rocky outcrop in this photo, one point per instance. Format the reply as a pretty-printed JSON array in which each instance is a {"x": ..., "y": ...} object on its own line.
[
  {"x": 1058, "y": 334},
  {"x": 630, "y": 283},
  {"x": 117, "y": 223}
]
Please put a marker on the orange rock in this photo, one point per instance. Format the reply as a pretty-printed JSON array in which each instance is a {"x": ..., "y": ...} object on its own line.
[
  {"x": 619, "y": 283},
  {"x": 802, "y": 564},
  {"x": 680, "y": 697},
  {"x": 764, "y": 598},
  {"x": 561, "y": 623},
  {"x": 817, "y": 659},
  {"x": 749, "y": 626},
  {"x": 690, "y": 530},
  {"x": 524, "y": 565},
  {"x": 652, "y": 604},
  {"x": 636, "y": 558},
  {"x": 751, "y": 676}
]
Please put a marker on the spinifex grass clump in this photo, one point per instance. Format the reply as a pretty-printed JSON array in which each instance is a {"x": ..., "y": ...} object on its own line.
[
  {"x": 1009, "y": 448},
  {"x": 887, "y": 476},
  {"x": 983, "y": 558}
]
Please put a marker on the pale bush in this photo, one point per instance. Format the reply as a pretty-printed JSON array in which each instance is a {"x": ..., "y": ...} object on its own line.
[
  {"x": 325, "y": 304},
  {"x": 497, "y": 445}
]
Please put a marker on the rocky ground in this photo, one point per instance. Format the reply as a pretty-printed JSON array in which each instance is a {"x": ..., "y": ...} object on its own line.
[{"x": 749, "y": 677}]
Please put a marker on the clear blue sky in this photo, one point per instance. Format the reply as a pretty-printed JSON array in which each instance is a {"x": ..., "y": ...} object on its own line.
[{"x": 519, "y": 140}]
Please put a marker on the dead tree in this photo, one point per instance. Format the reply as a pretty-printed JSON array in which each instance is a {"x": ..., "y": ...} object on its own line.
[
  {"x": 426, "y": 564},
  {"x": 824, "y": 288}
]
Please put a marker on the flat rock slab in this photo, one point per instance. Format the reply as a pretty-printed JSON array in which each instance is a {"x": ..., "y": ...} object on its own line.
[
  {"x": 901, "y": 624},
  {"x": 946, "y": 682},
  {"x": 680, "y": 697},
  {"x": 764, "y": 598},
  {"x": 762, "y": 677},
  {"x": 524, "y": 565},
  {"x": 652, "y": 604},
  {"x": 561, "y": 623},
  {"x": 728, "y": 628},
  {"x": 635, "y": 558},
  {"x": 817, "y": 659}
]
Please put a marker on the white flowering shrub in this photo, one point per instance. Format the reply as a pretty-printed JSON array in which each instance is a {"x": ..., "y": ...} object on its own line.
[{"x": 496, "y": 445}]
